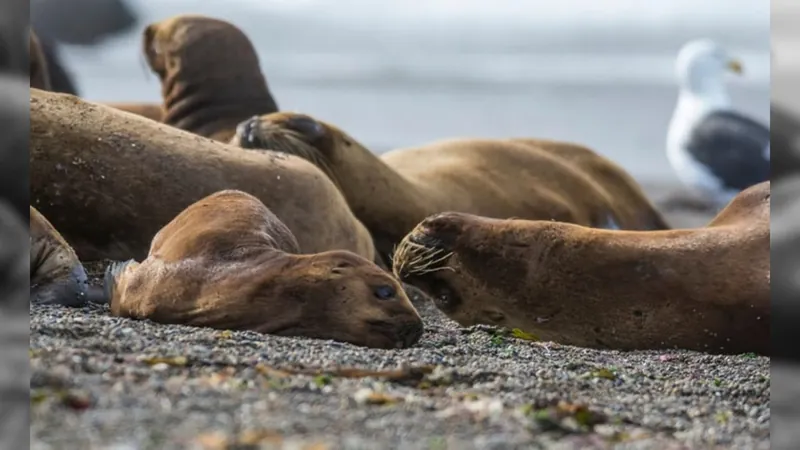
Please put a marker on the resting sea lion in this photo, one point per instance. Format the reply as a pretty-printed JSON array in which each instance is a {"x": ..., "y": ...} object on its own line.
[
  {"x": 523, "y": 178},
  {"x": 39, "y": 75},
  {"x": 57, "y": 276},
  {"x": 227, "y": 262},
  {"x": 705, "y": 289},
  {"x": 150, "y": 110},
  {"x": 109, "y": 180},
  {"x": 210, "y": 75}
]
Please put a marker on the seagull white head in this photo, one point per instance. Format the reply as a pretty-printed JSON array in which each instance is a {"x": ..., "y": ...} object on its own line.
[{"x": 701, "y": 66}]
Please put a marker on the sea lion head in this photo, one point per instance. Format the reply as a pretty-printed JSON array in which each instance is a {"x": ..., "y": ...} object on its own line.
[
  {"x": 348, "y": 298},
  {"x": 39, "y": 75},
  {"x": 56, "y": 274},
  {"x": 296, "y": 134},
  {"x": 188, "y": 42},
  {"x": 450, "y": 256}
]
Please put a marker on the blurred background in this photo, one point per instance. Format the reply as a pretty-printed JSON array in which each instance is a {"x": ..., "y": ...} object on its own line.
[{"x": 396, "y": 73}]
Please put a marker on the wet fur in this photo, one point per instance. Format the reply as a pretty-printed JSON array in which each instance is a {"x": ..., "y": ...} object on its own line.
[
  {"x": 56, "y": 274},
  {"x": 705, "y": 289},
  {"x": 523, "y": 178},
  {"x": 210, "y": 74},
  {"x": 227, "y": 262},
  {"x": 109, "y": 180}
]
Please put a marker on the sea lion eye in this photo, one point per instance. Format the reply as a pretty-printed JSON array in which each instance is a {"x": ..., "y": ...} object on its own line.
[{"x": 385, "y": 292}]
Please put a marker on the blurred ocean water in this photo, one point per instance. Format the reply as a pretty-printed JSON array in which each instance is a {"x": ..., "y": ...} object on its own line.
[{"x": 397, "y": 73}]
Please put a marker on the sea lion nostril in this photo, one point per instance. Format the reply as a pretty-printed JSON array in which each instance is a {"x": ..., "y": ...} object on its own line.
[{"x": 410, "y": 333}]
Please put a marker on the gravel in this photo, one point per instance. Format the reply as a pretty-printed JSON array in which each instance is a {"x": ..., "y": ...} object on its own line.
[{"x": 103, "y": 382}]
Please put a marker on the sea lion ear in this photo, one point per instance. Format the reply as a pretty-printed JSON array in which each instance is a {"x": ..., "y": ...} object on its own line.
[{"x": 307, "y": 126}]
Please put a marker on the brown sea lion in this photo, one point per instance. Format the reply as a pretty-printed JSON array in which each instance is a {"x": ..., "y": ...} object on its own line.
[
  {"x": 524, "y": 178},
  {"x": 39, "y": 75},
  {"x": 109, "y": 180},
  {"x": 704, "y": 289},
  {"x": 57, "y": 276},
  {"x": 210, "y": 75},
  {"x": 152, "y": 111},
  {"x": 228, "y": 262}
]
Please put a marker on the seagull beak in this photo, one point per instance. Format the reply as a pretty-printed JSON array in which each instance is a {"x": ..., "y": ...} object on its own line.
[{"x": 735, "y": 66}]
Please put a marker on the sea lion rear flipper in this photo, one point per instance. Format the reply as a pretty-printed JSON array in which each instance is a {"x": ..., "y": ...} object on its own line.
[{"x": 113, "y": 272}]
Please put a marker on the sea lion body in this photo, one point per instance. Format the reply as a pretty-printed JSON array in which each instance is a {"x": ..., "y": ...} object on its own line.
[
  {"x": 150, "y": 110},
  {"x": 705, "y": 289},
  {"x": 109, "y": 180},
  {"x": 56, "y": 274},
  {"x": 522, "y": 178},
  {"x": 210, "y": 75},
  {"x": 228, "y": 262}
]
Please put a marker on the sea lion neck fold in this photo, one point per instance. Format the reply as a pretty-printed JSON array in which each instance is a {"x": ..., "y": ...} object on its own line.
[{"x": 210, "y": 74}]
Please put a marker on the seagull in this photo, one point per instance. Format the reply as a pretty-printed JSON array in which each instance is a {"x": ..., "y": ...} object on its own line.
[{"x": 713, "y": 149}]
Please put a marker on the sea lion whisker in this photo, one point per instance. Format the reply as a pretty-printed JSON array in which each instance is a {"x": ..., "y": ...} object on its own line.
[{"x": 429, "y": 261}]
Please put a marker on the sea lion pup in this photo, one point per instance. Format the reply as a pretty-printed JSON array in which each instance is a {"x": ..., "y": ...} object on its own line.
[
  {"x": 57, "y": 276},
  {"x": 227, "y": 262},
  {"x": 210, "y": 75},
  {"x": 705, "y": 289},
  {"x": 109, "y": 180},
  {"x": 39, "y": 75},
  {"x": 152, "y": 111},
  {"x": 521, "y": 178}
]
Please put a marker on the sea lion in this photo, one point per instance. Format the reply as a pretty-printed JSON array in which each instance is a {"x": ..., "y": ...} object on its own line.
[
  {"x": 524, "y": 178},
  {"x": 210, "y": 74},
  {"x": 109, "y": 180},
  {"x": 705, "y": 289},
  {"x": 57, "y": 276},
  {"x": 228, "y": 262},
  {"x": 39, "y": 75},
  {"x": 152, "y": 111}
]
